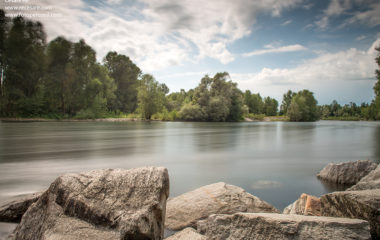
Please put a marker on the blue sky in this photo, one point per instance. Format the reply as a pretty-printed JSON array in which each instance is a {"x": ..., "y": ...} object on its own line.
[{"x": 267, "y": 46}]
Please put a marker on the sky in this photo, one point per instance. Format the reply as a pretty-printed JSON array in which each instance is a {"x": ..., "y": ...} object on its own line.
[{"x": 267, "y": 46}]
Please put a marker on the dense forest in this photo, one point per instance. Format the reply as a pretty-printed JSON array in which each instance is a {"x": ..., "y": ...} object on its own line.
[{"x": 62, "y": 79}]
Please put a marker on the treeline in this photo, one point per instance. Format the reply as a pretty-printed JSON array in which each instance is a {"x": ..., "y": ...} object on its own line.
[
  {"x": 351, "y": 111},
  {"x": 62, "y": 79}
]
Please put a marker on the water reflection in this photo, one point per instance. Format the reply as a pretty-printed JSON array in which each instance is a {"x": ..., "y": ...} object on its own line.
[{"x": 332, "y": 187}]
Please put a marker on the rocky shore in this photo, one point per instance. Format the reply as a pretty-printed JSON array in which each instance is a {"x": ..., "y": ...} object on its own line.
[{"x": 134, "y": 204}]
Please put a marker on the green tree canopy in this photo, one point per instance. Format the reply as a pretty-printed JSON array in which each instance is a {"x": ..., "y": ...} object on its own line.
[
  {"x": 254, "y": 102},
  {"x": 303, "y": 107},
  {"x": 219, "y": 98},
  {"x": 376, "y": 88},
  {"x": 23, "y": 62},
  {"x": 126, "y": 74},
  {"x": 151, "y": 96},
  {"x": 286, "y": 100},
  {"x": 270, "y": 106}
]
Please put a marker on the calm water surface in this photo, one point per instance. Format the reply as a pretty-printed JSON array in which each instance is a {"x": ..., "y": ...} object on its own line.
[{"x": 276, "y": 161}]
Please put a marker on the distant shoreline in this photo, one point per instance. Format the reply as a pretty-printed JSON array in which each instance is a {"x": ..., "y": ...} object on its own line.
[{"x": 265, "y": 119}]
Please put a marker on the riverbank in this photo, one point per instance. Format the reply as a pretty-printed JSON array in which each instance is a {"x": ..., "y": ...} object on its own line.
[
  {"x": 71, "y": 120},
  {"x": 263, "y": 119}
]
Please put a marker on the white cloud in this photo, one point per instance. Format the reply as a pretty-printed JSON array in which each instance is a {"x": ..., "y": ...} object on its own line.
[
  {"x": 271, "y": 49},
  {"x": 328, "y": 71},
  {"x": 361, "y": 37},
  {"x": 286, "y": 23},
  {"x": 323, "y": 22},
  {"x": 370, "y": 15},
  {"x": 161, "y": 33}
]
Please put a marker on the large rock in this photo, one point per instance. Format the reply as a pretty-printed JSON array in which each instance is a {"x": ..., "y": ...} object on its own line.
[
  {"x": 280, "y": 226},
  {"x": 307, "y": 205},
  {"x": 15, "y": 207},
  {"x": 348, "y": 172},
  {"x": 371, "y": 181},
  {"x": 100, "y": 204},
  {"x": 186, "y": 209},
  {"x": 187, "y": 234},
  {"x": 363, "y": 204}
]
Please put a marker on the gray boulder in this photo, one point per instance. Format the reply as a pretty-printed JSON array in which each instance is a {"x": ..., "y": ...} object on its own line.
[
  {"x": 100, "y": 204},
  {"x": 13, "y": 209},
  {"x": 363, "y": 204},
  {"x": 348, "y": 172},
  {"x": 185, "y": 210},
  {"x": 187, "y": 234},
  {"x": 280, "y": 226},
  {"x": 371, "y": 181}
]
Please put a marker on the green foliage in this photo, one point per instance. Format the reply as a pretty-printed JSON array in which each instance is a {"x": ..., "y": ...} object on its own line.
[
  {"x": 151, "y": 96},
  {"x": 175, "y": 100},
  {"x": 257, "y": 117},
  {"x": 126, "y": 74},
  {"x": 192, "y": 112},
  {"x": 254, "y": 102},
  {"x": 165, "y": 115},
  {"x": 303, "y": 107},
  {"x": 270, "y": 106},
  {"x": 286, "y": 101},
  {"x": 215, "y": 99},
  {"x": 22, "y": 75},
  {"x": 59, "y": 76},
  {"x": 376, "y": 108},
  {"x": 63, "y": 80}
]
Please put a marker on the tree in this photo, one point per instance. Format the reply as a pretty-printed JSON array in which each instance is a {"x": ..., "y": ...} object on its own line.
[
  {"x": 270, "y": 106},
  {"x": 151, "y": 96},
  {"x": 175, "y": 100},
  {"x": 376, "y": 88},
  {"x": 219, "y": 98},
  {"x": 22, "y": 86},
  {"x": 126, "y": 74},
  {"x": 254, "y": 102},
  {"x": 4, "y": 28},
  {"x": 59, "y": 75},
  {"x": 286, "y": 100},
  {"x": 303, "y": 107}
]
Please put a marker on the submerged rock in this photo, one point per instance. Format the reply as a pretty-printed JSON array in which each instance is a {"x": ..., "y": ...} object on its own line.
[
  {"x": 100, "y": 204},
  {"x": 371, "y": 181},
  {"x": 307, "y": 205},
  {"x": 363, "y": 204},
  {"x": 280, "y": 226},
  {"x": 185, "y": 210},
  {"x": 187, "y": 234},
  {"x": 348, "y": 172},
  {"x": 15, "y": 207}
]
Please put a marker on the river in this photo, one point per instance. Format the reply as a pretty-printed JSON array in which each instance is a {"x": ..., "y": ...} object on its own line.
[{"x": 276, "y": 161}]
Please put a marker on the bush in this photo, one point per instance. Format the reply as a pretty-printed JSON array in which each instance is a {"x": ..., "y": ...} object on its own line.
[{"x": 190, "y": 112}]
